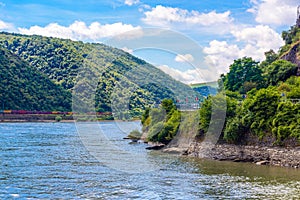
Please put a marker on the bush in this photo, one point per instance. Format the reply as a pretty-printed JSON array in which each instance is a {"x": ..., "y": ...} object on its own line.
[
  {"x": 286, "y": 121},
  {"x": 161, "y": 123},
  {"x": 154, "y": 131},
  {"x": 58, "y": 118},
  {"x": 135, "y": 134},
  {"x": 234, "y": 130},
  {"x": 262, "y": 106}
]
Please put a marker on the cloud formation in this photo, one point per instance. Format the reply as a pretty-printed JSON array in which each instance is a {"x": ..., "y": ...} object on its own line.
[
  {"x": 131, "y": 2},
  {"x": 251, "y": 42},
  {"x": 274, "y": 12},
  {"x": 79, "y": 30},
  {"x": 4, "y": 26},
  {"x": 167, "y": 16},
  {"x": 188, "y": 77}
]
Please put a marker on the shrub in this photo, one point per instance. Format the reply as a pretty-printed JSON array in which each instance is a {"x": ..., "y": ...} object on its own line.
[
  {"x": 234, "y": 130},
  {"x": 135, "y": 134},
  {"x": 154, "y": 131},
  {"x": 58, "y": 118}
]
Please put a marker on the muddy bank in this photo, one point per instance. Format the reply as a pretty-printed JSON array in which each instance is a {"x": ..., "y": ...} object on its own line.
[{"x": 276, "y": 156}]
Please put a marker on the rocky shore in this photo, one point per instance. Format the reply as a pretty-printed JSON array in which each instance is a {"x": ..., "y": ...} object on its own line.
[{"x": 276, "y": 156}]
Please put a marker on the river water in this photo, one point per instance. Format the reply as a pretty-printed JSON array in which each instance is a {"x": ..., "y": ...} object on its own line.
[{"x": 50, "y": 161}]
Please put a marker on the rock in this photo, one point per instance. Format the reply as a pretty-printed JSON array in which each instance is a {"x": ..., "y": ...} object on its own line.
[
  {"x": 133, "y": 140},
  {"x": 263, "y": 162},
  {"x": 276, "y": 156},
  {"x": 175, "y": 150},
  {"x": 156, "y": 147}
]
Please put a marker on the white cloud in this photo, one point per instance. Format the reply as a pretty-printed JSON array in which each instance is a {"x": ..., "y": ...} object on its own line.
[
  {"x": 127, "y": 50},
  {"x": 220, "y": 55},
  {"x": 144, "y": 7},
  {"x": 190, "y": 76},
  {"x": 274, "y": 12},
  {"x": 131, "y": 2},
  {"x": 4, "y": 26},
  {"x": 251, "y": 42},
  {"x": 166, "y": 16},
  {"x": 79, "y": 30},
  {"x": 184, "y": 58},
  {"x": 260, "y": 36}
]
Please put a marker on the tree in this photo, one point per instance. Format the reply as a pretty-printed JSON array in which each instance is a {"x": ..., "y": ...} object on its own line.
[
  {"x": 280, "y": 70},
  {"x": 271, "y": 56},
  {"x": 286, "y": 121},
  {"x": 241, "y": 71},
  {"x": 161, "y": 123},
  {"x": 260, "y": 110},
  {"x": 291, "y": 35},
  {"x": 213, "y": 111},
  {"x": 168, "y": 105}
]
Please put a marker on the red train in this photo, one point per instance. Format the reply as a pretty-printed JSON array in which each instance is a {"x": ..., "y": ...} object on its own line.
[{"x": 23, "y": 112}]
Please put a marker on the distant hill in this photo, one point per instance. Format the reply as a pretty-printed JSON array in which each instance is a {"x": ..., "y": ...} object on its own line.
[
  {"x": 206, "y": 89},
  {"x": 23, "y": 87},
  {"x": 61, "y": 59}
]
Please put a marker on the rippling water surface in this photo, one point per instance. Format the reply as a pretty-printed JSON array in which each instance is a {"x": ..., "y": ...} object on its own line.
[{"x": 49, "y": 161}]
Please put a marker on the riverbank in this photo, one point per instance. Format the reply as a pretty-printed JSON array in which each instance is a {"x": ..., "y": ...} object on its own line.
[
  {"x": 52, "y": 118},
  {"x": 275, "y": 156},
  {"x": 35, "y": 118}
]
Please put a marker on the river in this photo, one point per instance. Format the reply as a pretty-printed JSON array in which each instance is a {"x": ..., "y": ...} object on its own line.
[{"x": 50, "y": 161}]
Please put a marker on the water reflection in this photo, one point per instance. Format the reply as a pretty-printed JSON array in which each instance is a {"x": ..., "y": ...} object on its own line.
[{"x": 250, "y": 170}]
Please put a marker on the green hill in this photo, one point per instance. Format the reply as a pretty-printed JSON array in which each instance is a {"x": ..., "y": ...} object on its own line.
[
  {"x": 22, "y": 87},
  {"x": 206, "y": 89},
  {"x": 120, "y": 75}
]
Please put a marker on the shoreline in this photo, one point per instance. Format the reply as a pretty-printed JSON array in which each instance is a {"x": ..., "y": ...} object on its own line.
[
  {"x": 273, "y": 156},
  {"x": 54, "y": 121},
  {"x": 36, "y": 121}
]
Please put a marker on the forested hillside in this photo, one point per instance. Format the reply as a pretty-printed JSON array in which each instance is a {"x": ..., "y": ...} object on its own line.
[
  {"x": 60, "y": 60},
  {"x": 22, "y": 87}
]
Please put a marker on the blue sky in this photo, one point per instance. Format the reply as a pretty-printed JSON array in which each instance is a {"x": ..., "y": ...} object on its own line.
[{"x": 223, "y": 30}]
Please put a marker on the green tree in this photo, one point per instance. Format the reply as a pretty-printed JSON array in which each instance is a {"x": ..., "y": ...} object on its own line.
[
  {"x": 145, "y": 115},
  {"x": 280, "y": 70},
  {"x": 291, "y": 35},
  {"x": 270, "y": 56},
  {"x": 286, "y": 121},
  {"x": 293, "y": 87},
  {"x": 168, "y": 105},
  {"x": 260, "y": 109},
  {"x": 161, "y": 123},
  {"x": 213, "y": 111},
  {"x": 234, "y": 130},
  {"x": 241, "y": 71}
]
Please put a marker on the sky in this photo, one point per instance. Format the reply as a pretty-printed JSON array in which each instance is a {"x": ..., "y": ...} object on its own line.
[{"x": 193, "y": 41}]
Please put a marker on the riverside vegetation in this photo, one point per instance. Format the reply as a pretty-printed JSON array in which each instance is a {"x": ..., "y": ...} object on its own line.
[{"x": 260, "y": 97}]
